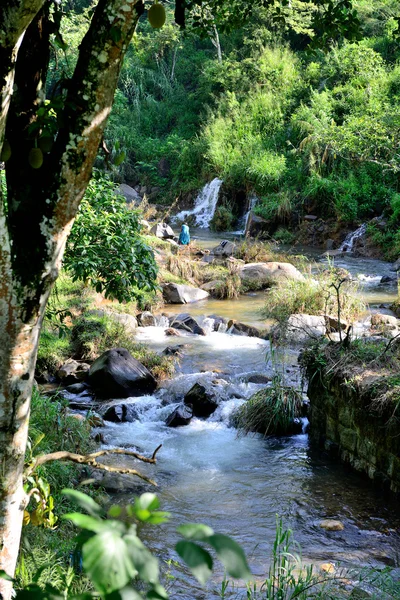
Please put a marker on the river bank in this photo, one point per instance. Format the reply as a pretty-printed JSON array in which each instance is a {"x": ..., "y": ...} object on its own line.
[{"x": 206, "y": 473}]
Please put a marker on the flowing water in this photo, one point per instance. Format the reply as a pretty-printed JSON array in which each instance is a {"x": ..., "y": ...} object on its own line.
[
  {"x": 237, "y": 485},
  {"x": 205, "y": 205}
]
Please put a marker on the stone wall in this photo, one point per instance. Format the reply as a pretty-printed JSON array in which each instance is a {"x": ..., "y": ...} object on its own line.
[{"x": 344, "y": 421}]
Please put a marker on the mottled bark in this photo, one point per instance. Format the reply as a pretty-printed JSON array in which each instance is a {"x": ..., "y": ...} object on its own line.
[{"x": 41, "y": 206}]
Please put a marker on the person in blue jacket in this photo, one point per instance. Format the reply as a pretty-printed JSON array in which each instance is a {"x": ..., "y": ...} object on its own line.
[{"x": 184, "y": 236}]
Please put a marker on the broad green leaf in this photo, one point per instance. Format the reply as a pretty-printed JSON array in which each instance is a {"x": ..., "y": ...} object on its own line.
[
  {"x": 107, "y": 562},
  {"x": 144, "y": 562},
  {"x": 197, "y": 559},
  {"x": 195, "y": 531},
  {"x": 86, "y": 522},
  {"x": 147, "y": 501},
  {"x": 231, "y": 555},
  {"x": 158, "y": 517},
  {"x": 3, "y": 575},
  {"x": 83, "y": 501}
]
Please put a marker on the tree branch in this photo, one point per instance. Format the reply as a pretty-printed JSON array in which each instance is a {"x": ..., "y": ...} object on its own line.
[{"x": 90, "y": 459}]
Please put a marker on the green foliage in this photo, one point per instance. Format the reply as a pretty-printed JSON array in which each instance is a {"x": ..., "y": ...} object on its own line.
[
  {"x": 118, "y": 563},
  {"x": 222, "y": 220},
  {"x": 271, "y": 411},
  {"x": 313, "y": 297},
  {"x": 105, "y": 247},
  {"x": 93, "y": 334}
]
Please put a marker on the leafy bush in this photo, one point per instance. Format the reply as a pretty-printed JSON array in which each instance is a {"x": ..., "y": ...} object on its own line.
[{"x": 105, "y": 247}]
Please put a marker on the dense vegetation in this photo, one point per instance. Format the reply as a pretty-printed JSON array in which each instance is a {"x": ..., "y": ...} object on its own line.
[{"x": 308, "y": 132}]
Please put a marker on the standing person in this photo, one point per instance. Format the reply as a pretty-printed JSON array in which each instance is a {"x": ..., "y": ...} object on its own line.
[{"x": 184, "y": 236}]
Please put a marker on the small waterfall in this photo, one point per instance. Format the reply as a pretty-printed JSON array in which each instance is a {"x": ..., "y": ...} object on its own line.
[
  {"x": 348, "y": 243},
  {"x": 244, "y": 220},
  {"x": 205, "y": 205},
  {"x": 162, "y": 321}
]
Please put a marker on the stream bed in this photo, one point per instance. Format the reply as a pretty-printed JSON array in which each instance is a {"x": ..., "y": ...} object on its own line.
[{"x": 239, "y": 485}]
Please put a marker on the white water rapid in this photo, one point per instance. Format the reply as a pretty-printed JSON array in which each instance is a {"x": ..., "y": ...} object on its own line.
[
  {"x": 205, "y": 205},
  {"x": 348, "y": 243}
]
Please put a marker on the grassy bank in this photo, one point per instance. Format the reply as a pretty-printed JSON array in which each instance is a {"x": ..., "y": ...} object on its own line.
[{"x": 80, "y": 324}]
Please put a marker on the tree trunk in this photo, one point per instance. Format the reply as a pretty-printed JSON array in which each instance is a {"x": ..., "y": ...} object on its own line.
[{"x": 40, "y": 208}]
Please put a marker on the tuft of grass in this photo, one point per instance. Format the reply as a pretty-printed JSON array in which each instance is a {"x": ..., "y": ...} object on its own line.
[
  {"x": 271, "y": 411},
  {"x": 313, "y": 297}
]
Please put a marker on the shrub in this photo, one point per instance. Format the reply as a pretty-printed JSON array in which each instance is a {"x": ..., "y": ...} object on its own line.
[{"x": 105, "y": 247}]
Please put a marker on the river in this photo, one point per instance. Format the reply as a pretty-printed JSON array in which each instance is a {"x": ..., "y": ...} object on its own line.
[{"x": 238, "y": 485}]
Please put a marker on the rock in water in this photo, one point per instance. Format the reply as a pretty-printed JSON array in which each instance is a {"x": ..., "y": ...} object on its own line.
[
  {"x": 180, "y": 417},
  {"x": 331, "y": 525},
  {"x": 120, "y": 413},
  {"x": 147, "y": 319},
  {"x": 202, "y": 402},
  {"x": 116, "y": 374},
  {"x": 186, "y": 322},
  {"x": 269, "y": 273},
  {"x": 176, "y": 293}
]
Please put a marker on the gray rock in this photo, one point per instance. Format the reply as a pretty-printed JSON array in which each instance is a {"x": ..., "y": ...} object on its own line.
[
  {"x": 238, "y": 328},
  {"x": 212, "y": 286},
  {"x": 269, "y": 273},
  {"x": 176, "y": 293},
  {"x": 389, "y": 279},
  {"x": 77, "y": 388},
  {"x": 179, "y": 417},
  {"x": 116, "y": 374},
  {"x": 72, "y": 372},
  {"x": 218, "y": 321},
  {"x": 301, "y": 327},
  {"x": 146, "y": 319},
  {"x": 224, "y": 248},
  {"x": 163, "y": 231},
  {"x": 202, "y": 402},
  {"x": 120, "y": 413},
  {"x": 257, "y": 226},
  {"x": 396, "y": 265},
  {"x": 131, "y": 195},
  {"x": 258, "y": 378},
  {"x": 187, "y": 323}
]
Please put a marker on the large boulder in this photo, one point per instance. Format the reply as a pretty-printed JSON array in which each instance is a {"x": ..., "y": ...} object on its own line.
[
  {"x": 131, "y": 195},
  {"x": 179, "y": 417},
  {"x": 303, "y": 327},
  {"x": 257, "y": 226},
  {"x": 186, "y": 322},
  {"x": 224, "y": 248},
  {"x": 116, "y": 374},
  {"x": 202, "y": 402},
  {"x": 176, "y": 293},
  {"x": 269, "y": 273},
  {"x": 163, "y": 231}
]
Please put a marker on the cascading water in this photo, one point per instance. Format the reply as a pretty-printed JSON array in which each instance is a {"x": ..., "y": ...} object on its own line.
[
  {"x": 348, "y": 243},
  {"x": 244, "y": 220},
  {"x": 205, "y": 205}
]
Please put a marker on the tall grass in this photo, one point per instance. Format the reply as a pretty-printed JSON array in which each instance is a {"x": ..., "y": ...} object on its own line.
[{"x": 271, "y": 411}]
